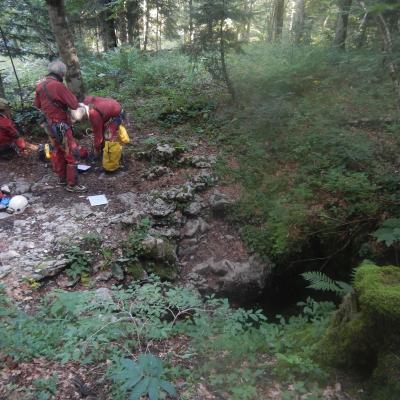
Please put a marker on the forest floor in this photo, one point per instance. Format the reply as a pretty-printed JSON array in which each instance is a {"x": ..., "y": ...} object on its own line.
[{"x": 56, "y": 217}]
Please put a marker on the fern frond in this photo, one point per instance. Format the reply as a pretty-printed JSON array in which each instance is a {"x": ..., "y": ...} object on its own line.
[{"x": 319, "y": 281}]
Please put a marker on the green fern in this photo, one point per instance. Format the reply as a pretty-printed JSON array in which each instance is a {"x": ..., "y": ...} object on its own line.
[{"x": 319, "y": 281}]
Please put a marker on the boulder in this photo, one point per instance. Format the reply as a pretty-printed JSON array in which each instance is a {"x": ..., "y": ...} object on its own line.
[
  {"x": 180, "y": 194},
  {"x": 158, "y": 249},
  {"x": 193, "y": 209},
  {"x": 239, "y": 281},
  {"x": 364, "y": 332},
  {"x": 220, "y": 202},
  {"x": 191, "y": 228},
  {"x": 127, "y": 199},
  {"x": 156, "y": 172},
  {"x": 50, "y": 268},
  {"x": 160, "y": 208},
  {"x": 203, "y": 181}
]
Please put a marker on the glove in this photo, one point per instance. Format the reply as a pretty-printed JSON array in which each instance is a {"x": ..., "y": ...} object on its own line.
[{"x": 20, "y": 144}]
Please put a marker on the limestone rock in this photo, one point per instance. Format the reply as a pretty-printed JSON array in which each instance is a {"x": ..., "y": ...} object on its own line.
[
  {"x": 50, "y": 268},
  {"x": 239, "y": 281},
  {"x": 159, "y": 249},
  {"x": 191, "y": 228},
  {"x": 193, "y": 208},
  {"x": 128, "y": 199},
  {"x": 220, "y": 202},
  {"x": 160, "y": 208},
  {"x": 156, "y": 172},
  {"x": 181, "y": 194},
  {"x": 203, "y": 181}
]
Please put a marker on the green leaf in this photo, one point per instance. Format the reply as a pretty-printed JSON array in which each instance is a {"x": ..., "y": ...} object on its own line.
[
  {"x": 140, "y": 390},
  {"x": 169, "y": 388},
  {"x": 154, "y": 388}
]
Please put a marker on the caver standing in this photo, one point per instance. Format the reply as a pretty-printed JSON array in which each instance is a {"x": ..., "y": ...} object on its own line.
[
  {"x": 54, "y": 99},
  {"x": 9, "y": 135}
]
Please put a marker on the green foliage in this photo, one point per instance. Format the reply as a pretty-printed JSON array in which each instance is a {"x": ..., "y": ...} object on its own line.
[
  {"x": 162, "y": 86},
  {"x": 79, "y": 262},
  {"x": 389, "y": 233},
  {"x": 308, "y": 174},
  {"x": 141, "y": 378},
  {"x": 319, "y": 281}
]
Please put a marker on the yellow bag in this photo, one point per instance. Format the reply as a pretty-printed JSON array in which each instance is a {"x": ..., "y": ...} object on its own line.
[
  {"x": 112, "y": 153},
  {"x": 123, "y": 135}
]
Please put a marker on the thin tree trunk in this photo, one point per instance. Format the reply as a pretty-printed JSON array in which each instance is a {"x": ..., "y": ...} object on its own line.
[
  {"x": 147, "y": 26},
  {"x": 66, "y": 46},
  {"x": 122, "y": 27},
  {"x": 157, "y": 24},
  {"x": 2, "y": 91},
  {"x": 388, "y": 50},
  {"x": 225, "y": 74},
  {"x": 108, "y": 27},
  {"x": 191, "y": 27},
  {"x": 299, "y": 18},
  {"x": 133, "y": 17},
  {"x": 279, "y": 13},
  {"x": 362, "y": 31},
  {"x": 249, "y": 19},
  {"x": 342, "y": 23}
]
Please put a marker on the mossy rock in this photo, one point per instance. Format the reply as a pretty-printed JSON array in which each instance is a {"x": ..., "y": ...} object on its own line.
[
  {"x": 136, "y": 270},
  {"x": 365, "y": 332},
  {"x": 378, "y": 290}
]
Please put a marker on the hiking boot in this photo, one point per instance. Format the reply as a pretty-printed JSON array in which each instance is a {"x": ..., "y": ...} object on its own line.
[
  {"x": 76, "y": 189},
  {"x": 61, "y": 182}
]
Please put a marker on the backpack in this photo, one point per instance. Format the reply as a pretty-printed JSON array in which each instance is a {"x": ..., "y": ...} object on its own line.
[{"x": 112, "y": 153}]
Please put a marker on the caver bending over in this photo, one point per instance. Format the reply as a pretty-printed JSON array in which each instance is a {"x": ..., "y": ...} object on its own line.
[
  {"x": 9, "y": 135},
  {"x": 105, "y": 116},
  {"x": 54, "y": 99}
]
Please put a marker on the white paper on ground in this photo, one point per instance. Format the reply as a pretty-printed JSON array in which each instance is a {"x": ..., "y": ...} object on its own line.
[
  {"x": 99, "y": 200},
  {"x": 83, "y": 167}
]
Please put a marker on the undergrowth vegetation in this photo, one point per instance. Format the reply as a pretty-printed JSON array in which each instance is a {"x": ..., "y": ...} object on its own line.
[
  {"x": 318, "y": 165},
  {"x": 235, "y": 351}
]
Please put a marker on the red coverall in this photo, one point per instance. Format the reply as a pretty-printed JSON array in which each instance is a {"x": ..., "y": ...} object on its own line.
[
  {"x": 101, "y": 111},
  {"x": 54, "y": 103},
  {"x": 9, "y": 134}
]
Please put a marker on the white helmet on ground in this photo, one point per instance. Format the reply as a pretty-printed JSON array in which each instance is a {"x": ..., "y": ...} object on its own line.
[{"x": 17, "y": 204}]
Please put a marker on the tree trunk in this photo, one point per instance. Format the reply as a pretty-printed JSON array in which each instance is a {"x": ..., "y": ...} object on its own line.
[
  {"x": 362, "y": 31},
  {"x": 388, "y": 50},
  {"x": 341, "y": 24},
  {"x": 299, "y": 18},
  {"x": 225, "y": 74},
  {"x": 66, "y": 46},
  {"x": 133, "y": 17},
  {"x": 122, "y": 27},
  {"x": 147, "y": 26},
  {"x": 279, "y": 13},
  {"x": 249, "y": 19},
  {"x": 108, "y": 27},
  {"x": 191, "y": 26},
  {"x": 2, "y": 91},
  {"x": 157, "y": 24}
]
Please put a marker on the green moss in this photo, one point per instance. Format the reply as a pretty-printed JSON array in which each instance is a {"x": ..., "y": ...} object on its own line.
[
  {"x": 135, "y": 269},
  {"x": 378, "y": 289},
  {"x": 364, "y": 333}
]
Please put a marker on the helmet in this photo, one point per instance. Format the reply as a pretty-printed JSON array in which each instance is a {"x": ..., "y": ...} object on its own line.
[
  {"x": 80, "y": 113},
  {"x": 17, "y": 204}
]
